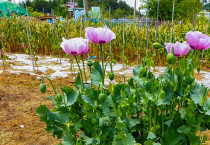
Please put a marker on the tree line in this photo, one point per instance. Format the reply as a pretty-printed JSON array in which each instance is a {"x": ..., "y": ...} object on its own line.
[
  {"x": 119, "y": 9},
  {"x": 184, "y": 9}
]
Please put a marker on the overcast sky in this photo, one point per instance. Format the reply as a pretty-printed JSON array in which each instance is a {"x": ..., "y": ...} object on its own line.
[{"x": 129, "y": 2}]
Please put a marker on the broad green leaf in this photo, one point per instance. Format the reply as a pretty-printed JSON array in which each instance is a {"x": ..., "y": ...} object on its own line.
[
  {"x": 67, "y": 140},
  {"x": 151, "y": 136},
  {"x": 207, "y": 106},
  {"x": 78, "y": 82},
  {"x": 182, "y": 112},
  {"x": 198, "y": 94},
  {"x": 104, "y": 121},
  {"x": 148, "y": 142},
  {"x": 168, "y": 123},
  {"x": 171, "y": 137},
  {"x": 57, "y": 131},
  {"x": 193, "y": 138},
  {"x": 59, "y": 116},
  {"x": 130, "y": 139},
  {"x": 208, "y": 112},
  {"x": 53, "y": 99},
  {"x": 119, "y": 139},
  {"x": 71, "y": 95},
  {"x": 116, "y": 97},
  {"x": 42, "y": 112},
  {"x": 132, "y": 122},
  {"x": 88, "y": 100},
  {"x": 77, "y": 125},
  {"x": 96, "y": 74},
  {"x": 183, "y": 65},
  {"x": 98, "y": 132},
  {"x": 105, "y": 107},
  {"x": 136, "y": 71},
  {"x": 88, "y": 140},
  {"x": 183, "y": 129},
  {"x": 169, "y": 93},
  {"x": 120, "y": 124}
]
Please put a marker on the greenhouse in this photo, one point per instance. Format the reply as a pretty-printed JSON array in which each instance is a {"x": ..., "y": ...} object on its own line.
[{"x": 8, "y": 8}]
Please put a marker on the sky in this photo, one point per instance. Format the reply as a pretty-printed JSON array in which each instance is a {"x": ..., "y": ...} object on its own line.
[{"x": 129, "y": 2}]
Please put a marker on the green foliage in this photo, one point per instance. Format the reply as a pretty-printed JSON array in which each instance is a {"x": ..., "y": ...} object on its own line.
[
  {"x": 207, "y": 7},
  {"x": 36, "y": 14},
  {"x": 184, "y": 9},
  {"x": 96, "y": 74},
  {"x": 166, "y": 110}
]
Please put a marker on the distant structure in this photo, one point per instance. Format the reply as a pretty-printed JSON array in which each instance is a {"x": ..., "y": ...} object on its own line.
[
  {"x": 73, "y": 9},
  {"x": 75, "y": 12},
  {"x": 95, "y": 13}
]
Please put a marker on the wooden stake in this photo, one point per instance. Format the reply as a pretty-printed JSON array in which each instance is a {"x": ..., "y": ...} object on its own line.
[
  {"x": 28, "y": 34},
  {"x": 110, "y": 46},
  {"x": 172, "y": 22},
  {"x": 147, "y": 25},
  {"x": 1, "y": 49},
  {"x": 123, "y": 42}
]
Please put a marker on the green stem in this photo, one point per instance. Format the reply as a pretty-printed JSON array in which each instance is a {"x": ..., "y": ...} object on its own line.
[
  {"x": 79, "y": 69},
  {"x": 123, "y": 78},
  {"x": 150, "y": 118},
  {"x": 103, "y": 72},
  {"x": 57, "y": 86},
  {"x": 197, "y": 127},
  {"x": 42, "y": 81},
  {"x": 107, "y": 64},
  {"x": 162, "y": 122},
  {"x": 84, "y": 69},
  {"x": 192, "y": 51},
  {"x": 90, "y": 78},
  {"x": 155, "y": 116}
]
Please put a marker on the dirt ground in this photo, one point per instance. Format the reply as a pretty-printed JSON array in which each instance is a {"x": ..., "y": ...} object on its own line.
[{"x": 19, "y": 98}]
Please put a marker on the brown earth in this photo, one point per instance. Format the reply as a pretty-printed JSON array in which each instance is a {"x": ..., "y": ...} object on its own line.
[{"x": 19, "y": 98}]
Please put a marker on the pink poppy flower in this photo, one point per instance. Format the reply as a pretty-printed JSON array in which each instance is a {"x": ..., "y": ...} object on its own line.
[
  {"x": 75, "y": 46},
  {"x": 180, "y": 49},
  {"x": 198, "y": 40},
  {"x": 99, "y": 35}
]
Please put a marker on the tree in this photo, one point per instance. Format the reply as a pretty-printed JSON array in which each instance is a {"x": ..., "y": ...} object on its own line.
[
  {"x": 184, "y": 9},
  {"x": 207, "y": 7}
]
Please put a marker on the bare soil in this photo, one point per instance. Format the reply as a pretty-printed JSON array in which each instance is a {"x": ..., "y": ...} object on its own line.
[{"x": 19, "y": 98}]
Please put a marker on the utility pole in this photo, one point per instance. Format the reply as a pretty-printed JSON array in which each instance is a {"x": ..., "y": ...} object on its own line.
[{"x": 134, "y": 14}]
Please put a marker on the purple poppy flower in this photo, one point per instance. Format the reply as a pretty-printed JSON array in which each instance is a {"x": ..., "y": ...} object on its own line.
[
  {"x": 99, "y": 35},
  {"x": 198, "y": 40},
  {"x": 75, "y": 46},
  {"x": 180, "y": 49}
]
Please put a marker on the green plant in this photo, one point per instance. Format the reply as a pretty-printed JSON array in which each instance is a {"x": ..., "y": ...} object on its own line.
[{"x": 169, "y": 109}]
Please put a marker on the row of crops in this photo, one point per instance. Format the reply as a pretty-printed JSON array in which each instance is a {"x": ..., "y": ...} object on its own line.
[{"x": 129, "y": 46}]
